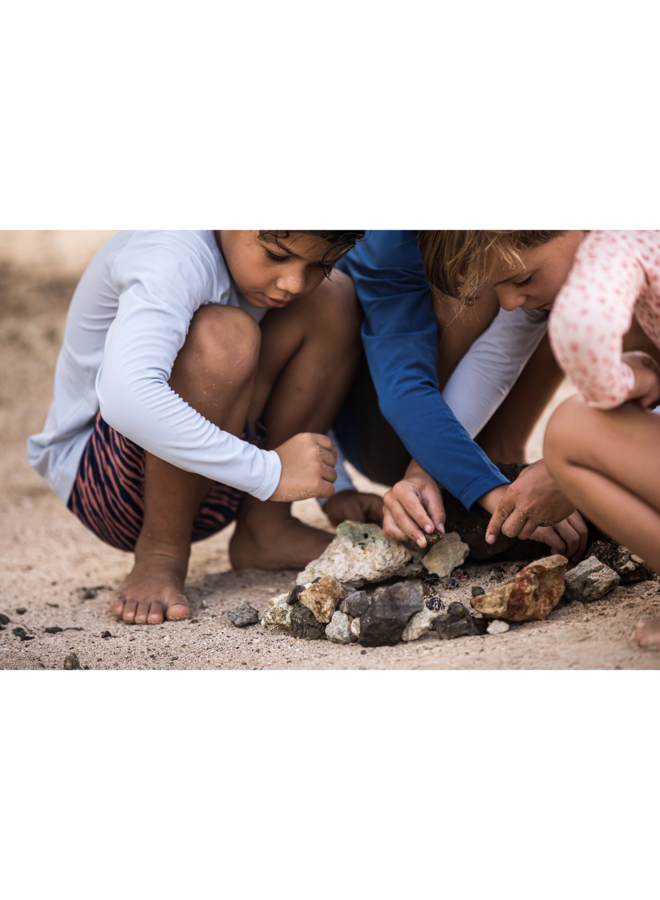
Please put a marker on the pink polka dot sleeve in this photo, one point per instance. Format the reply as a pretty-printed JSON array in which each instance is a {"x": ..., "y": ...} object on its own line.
[{"x": 592, "y": 313}]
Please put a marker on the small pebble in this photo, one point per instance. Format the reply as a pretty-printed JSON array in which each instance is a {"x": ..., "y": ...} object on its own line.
[
  {"x": 53, "y": 629},
  {"x": 4, "y": 620},
  {"x": 497, "y": 626},
  {"x": 204, "y": 604},
  {"x": 21, "y": 611},
  {"x": 167, "y": 638},
  {"x": 106, "y": 634},
  {"x": 72, "y": 662},
  {"x": 476, "y": 590}
]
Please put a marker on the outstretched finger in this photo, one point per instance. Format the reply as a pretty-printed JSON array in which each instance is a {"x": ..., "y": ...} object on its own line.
[
  {"x": 414, "y": 508},
  {"x": 499, "y": 517}
]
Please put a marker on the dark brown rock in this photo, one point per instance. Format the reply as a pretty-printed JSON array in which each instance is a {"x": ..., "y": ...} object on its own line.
[
  {"x": 72, "y": 662},
  {"x": 305, "y": 625},
  {"x": 4, "y": 620},
  {"x": 451, "y": 626},
  {"x": 629, "y": 567},
  {"x": 243, "y": 615}
]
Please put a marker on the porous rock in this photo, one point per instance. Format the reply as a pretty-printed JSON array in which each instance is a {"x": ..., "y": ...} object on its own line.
[
  {"x": 339, "y": 629},
  {"x": 420, "y": 624},
  {"x": 451, "y": 626},
  {"x": 590, "y": 580},
  {"x": 361, "y": 554},
  {"x": 531, "y": 594},
  {"x": 322, "y": 597},
  {"x": 355, "y": 604},
  {"x": 626, "y": 564},
  {"x": 279, "y": 612},
  {"x": 244, "y": 615},
  {"x": 390, "y": 609},
  {"x": 305, "y": 625},
  {"x": 446, "y": 555},
  {"x": 497, "y": 626}
]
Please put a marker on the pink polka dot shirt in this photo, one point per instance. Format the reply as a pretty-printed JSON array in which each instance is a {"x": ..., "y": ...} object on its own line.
[{"x": 615, "y": 276}]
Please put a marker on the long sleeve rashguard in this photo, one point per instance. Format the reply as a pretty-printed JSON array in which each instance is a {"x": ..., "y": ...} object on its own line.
[
  {"x": 615, "y": 276},
  {"x": 128, "y": 320},
  {"x": 401, "y": 343}
]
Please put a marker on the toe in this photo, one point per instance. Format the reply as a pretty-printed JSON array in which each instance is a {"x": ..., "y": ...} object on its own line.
[
  {"x": 117, "y": 604},
  {"x": 141, "y": 613},
  {"x": 155, "y": 616},
  {"x": 129, "y": 611},
  {"x": 177, "y": 611}
]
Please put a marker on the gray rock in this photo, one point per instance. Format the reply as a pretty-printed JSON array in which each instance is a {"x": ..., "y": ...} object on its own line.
[
  {"x": 339, "y": 629},
  {"x": 497, "y": 626},
  {"x": 243, "y": 615},
  {"x": 590, "y": 580},
  {"x": 361, "y": 554},
  {"x": 389, "y": 611},
  {"x": 305, "y": 625},
  {"x": 446, "y": 555},
  {"x": 476, "y": 590},
  {"x": 355, "y": 603},
  {"x": 420, "y": 624},
  {"x": 449, "y": 627}
]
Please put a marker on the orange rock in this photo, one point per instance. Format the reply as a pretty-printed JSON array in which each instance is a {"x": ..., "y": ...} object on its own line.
[
  {"x": 532, "y": 594},
  {"x": 322, "y": 597}
]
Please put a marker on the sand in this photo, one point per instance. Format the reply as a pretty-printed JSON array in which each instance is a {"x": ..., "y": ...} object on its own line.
[{"x": 63, "y": 576}]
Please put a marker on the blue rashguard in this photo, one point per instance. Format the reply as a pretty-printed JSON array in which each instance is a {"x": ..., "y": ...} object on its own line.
[{"x": 400, "y": 337}]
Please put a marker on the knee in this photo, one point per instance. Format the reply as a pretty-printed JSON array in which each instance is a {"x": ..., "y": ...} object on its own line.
[
  {"x": 335, "y": 308},
  {"x": 222, "y": 339},
  {"x": 563, "y": 432}
]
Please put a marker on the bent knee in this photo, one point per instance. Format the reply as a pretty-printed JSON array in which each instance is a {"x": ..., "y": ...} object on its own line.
[
  {"x": 564, "y": 432},
  {"x": 335, "y": 306},
  {"x": 222, "y": 337}
]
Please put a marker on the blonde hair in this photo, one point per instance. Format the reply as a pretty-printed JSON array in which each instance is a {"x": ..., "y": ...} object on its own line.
[{"x": 458, "y": 263}]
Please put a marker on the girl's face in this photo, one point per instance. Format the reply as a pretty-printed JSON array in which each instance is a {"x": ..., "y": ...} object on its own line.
[
  {"x": 272, "y": 274},
  {"x": 536, "y": 283}
]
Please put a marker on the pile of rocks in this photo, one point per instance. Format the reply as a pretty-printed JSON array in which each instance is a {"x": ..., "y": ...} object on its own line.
[{"x": 341, "y": 596}]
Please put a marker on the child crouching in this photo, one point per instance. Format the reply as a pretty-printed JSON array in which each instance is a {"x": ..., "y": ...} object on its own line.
[{"x": 178, "y": 407}]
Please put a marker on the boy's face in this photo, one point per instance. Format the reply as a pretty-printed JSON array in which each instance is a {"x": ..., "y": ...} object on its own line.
[
  {"x": 271, "y": 274},
  {"x": 536, "y": 283}
]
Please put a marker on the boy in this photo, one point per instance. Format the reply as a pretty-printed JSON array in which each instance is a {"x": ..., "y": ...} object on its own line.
[{"x": 180, "y": 405}]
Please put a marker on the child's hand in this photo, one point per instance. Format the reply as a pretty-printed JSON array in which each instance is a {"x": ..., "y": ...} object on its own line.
[
  {"x": 646, "y": 390},
  {"x": 308, "y": 462},
  {"x": 533, "y": 500},
  {"x": 355, "y": 506},
  {"x": 413, "y": 506}
]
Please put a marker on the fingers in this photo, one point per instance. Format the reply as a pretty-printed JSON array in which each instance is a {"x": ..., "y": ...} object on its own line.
[
  {"x": 499, "y": 517},
  {"x": 328, "y": 474},
  {"x": 570, "y": 537},
  {"x": 400, "y": 524},
  {"x": 547, "y": 535},
  {"x": 432, "y": 501},
  {"x": 580, "y": 527},
  {"x": 326, "y": 445}
]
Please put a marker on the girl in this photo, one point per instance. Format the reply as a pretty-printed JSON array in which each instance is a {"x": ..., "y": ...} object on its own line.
[
  {"x": 603, "y": 288},
  {"x": 199, "y": 374}
]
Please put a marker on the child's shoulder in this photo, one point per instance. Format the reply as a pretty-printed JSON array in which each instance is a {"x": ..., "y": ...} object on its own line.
[{"x": 167, "y": 256}]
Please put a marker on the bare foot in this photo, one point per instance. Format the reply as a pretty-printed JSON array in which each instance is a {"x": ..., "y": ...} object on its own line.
[
  {"x": 647, "y": 634},
  {"x": 265, "y": 542},
  {"x": 154, "y": 589}
]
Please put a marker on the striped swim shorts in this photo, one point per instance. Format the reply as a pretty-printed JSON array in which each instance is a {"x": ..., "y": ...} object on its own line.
[{"x": 108, "y": 493}]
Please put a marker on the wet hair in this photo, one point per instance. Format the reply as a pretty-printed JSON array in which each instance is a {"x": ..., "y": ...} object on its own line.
[
  {"x": 341, "y": 242},
  {"x": 459, "y": 262}
]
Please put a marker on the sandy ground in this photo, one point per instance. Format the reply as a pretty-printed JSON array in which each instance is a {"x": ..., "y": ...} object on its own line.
[{"x": 62, "y": 576}]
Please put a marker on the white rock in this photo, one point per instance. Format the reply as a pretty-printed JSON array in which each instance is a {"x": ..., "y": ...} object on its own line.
[
  {"x": 497, "y": 626},
  {"x": 339, "y": 628},
  {"x": 362, "y": 554},
  {"x": 279, "y": 612},
  {"x": 355, "y": 628},
  {"x": 420, "y": 624},
  {"x": 444, "y": 556}
]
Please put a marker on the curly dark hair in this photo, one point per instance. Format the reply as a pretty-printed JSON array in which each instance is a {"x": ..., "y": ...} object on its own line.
[{"x": 341, "y": 242}]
